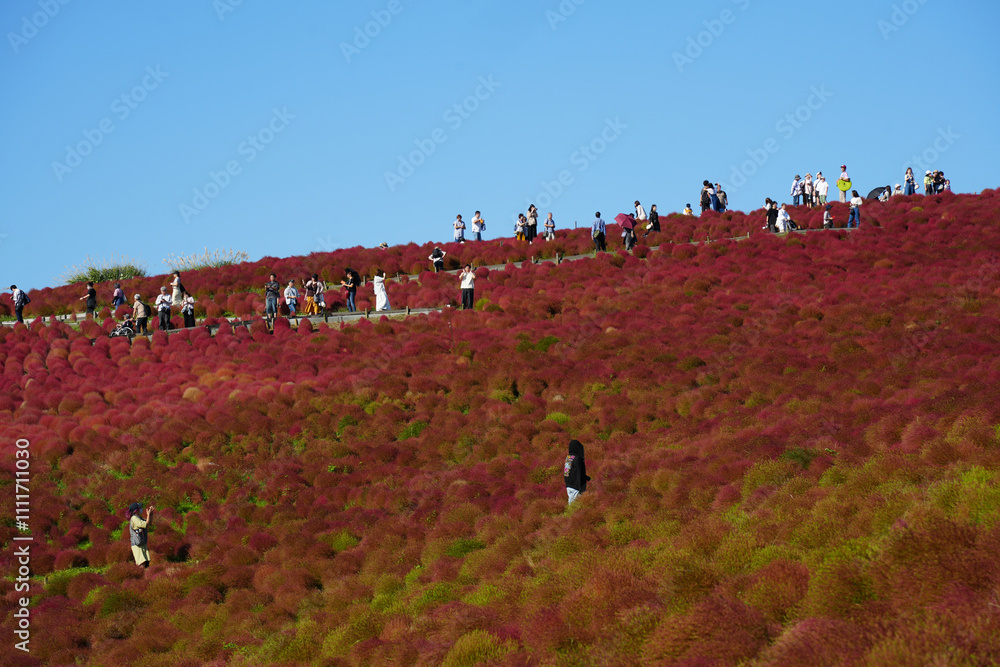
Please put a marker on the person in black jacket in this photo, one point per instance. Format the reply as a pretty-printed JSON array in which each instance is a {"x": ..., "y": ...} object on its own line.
[
  {"x": 772, "y": 216},
  {"x": 575, "y": 471}
]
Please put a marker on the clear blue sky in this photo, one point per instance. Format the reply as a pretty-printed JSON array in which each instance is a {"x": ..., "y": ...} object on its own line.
[{"x": 309, "y": 118}]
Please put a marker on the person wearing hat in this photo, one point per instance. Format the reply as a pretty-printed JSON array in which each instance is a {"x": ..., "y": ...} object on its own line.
[
  {"x": 138, "y": 533},
  {"x": 844, "y": 177},
  {"x": 796, "y": 190},
  {"x": 828, "y": 217},
  {"x": 163, "y": 303},
  {"x": 822, "y": 187},
  {"x": 141, "y": 312}
]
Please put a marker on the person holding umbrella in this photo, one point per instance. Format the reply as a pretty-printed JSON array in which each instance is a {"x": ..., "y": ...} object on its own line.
[{"x": 627, "y": 223}]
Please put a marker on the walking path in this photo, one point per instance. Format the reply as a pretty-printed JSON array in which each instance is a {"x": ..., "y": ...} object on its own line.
[{"x": 342, "y": 317}]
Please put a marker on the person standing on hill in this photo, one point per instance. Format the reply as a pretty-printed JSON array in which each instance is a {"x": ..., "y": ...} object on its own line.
[
  {"x": 928, "y": 183},
  {"x": 796, "y": 190},
  {"x": 138, "y": 532},
  {"x": 771, "y": 209},
  {"x": 91, "y": 299},
  {"x": 478, "y": 226},
  {"x": 437, "y": 260},
  {"x": 117, "y": 297},
  {"x": 320, "y": 294},
  {"x": 291, "y": 298},
  {"x": 310, "y": 288},
  {"x": 352, "y": 282},
  {"x": 550, "y": 228},
  {"x": 459, "y": 226},
  {"x": 468, "y": 287},
  {"x": 176, "y": 287},
  {"x": 141, "y": 312},
  {"x": 163, "y": 303},
  {"x": 272, "y": 289},
  {"x": 597, "y": 232},
  {"x": 20, "y": 300},
  {"x": 722, "y": 197},
  {"x": 654, "y": 221},
  {"x": 640, "y": 212},
  {"x": 807, "y": 190},
  {"x": 856, "y": 202},
  {"x": 844, "y": 176},
  {"x": 531, "y": 229},
  {"x": 822, "y": 188},
  {"x": 575, "y": 471},
  {"x": 909, "y": 182},
  {"x": 709, "y": 200},
  {"x": 187, "y": 309},
  {"x": 381, "y": 296}
]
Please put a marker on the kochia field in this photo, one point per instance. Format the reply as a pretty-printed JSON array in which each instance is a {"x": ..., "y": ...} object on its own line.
[{"x": 794, "y": 443}]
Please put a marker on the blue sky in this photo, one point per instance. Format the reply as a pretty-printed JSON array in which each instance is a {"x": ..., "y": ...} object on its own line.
[{"x": 146, "y": 129}]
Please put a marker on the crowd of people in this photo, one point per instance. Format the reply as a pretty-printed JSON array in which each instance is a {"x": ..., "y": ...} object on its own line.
[{"x": 809, "y": 192}]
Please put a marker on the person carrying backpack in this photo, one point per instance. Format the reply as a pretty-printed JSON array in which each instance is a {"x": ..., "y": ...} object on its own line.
[
  {"x": 437, "y": 258},
  {"x": 21, "y": 300},
  {"x": 138, "y": 533}
]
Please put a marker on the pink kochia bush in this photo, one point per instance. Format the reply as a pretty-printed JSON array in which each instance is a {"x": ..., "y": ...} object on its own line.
[{"x": 794, "y": 444}]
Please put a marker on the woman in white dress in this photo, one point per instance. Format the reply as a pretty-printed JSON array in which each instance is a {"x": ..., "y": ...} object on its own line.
[{"x": 381, "y": 296}]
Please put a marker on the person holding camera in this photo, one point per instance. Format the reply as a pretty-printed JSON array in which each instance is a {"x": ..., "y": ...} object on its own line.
[{"x": 138, "y": 532}]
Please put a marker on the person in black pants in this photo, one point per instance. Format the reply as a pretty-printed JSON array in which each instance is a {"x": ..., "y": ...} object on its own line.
[
  {"x": 91, "y": 298},
  {"x": 468, "y": 287},
  {"x": 654, "y": 221}
]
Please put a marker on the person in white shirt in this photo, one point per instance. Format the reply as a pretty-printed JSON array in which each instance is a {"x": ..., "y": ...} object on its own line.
[
  {"x": 381, "y": 296},
  {"x": 550, "y": 228},
  {"x": 807, "y": 190},
  {"x": 291, "y": 297},
  {"x": 478, "y": 225},
  {"x": 18, "y": 297},
  {"x": 640, "y": 212},
  {"x": 163, "y": 303},
  {"x": 784, "y": 220},
  {"x": 846, "y": 178},
  {"x": 459, "y": 229},
  {"x": 468, "y": 287},
  {"x": 856, "y": 202},
  {"x": 822, "y": 188},
  {"x": 796, "y": 191}
]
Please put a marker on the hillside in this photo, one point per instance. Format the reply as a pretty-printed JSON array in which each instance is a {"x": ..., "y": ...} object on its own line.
[{"x": 794, "y": 444}]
